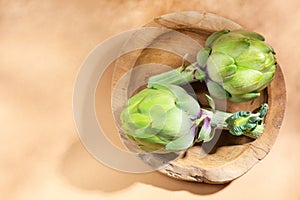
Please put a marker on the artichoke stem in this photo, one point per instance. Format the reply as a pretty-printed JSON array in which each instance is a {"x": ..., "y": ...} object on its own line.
[
  {"x": 179, "y": 76},
  {"x": 218, "y": 119}
]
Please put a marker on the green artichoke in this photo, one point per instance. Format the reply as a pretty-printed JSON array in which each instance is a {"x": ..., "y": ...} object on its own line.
[
  {"x": 235, "y": 64},
  {"x": 165, "y": 118},
  {"x": 161, "y": 118}
]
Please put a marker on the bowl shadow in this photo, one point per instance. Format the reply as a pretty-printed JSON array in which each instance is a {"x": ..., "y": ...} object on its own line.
[{"x": 81, "y": 170}]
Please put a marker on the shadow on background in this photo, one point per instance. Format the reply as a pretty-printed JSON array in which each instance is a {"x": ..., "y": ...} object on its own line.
[{"x": 83, "y": 171}]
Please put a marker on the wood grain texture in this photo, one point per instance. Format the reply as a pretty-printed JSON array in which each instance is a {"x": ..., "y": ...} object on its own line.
[{"x": 230, "y": 156}]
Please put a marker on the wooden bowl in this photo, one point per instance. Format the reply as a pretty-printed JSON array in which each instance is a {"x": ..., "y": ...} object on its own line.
[{"x": 231, "y": 156}]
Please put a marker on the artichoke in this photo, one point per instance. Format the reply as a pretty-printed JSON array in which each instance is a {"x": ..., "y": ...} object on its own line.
[
  {"x": 165, "y": 118},
  {"x": 235, "y": 64},
  {"x": 161, "y": 118}
]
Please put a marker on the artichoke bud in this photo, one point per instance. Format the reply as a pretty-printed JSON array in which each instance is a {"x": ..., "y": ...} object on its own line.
[
  {"x": 161, "y": 118},
  {"x": 240, "y": 62}
]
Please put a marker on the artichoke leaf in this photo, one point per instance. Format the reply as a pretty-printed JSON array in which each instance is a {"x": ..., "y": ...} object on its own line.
[
  {"x": 251, "y": 35},
  {"x": 184, "y": 101},
  {"x": 173, "y": 124},
  {"x": 205, "y": 133},
  {"x": 243, "y": 97},
  {"x": 202, "y": 56},
  {"x": 216, "y": 90},
  {"x": 243, "y": 81},
  {"x": 213, "y": 37},
  {"x": 183, "y": 142},
  {"x": 232, "y": 47}
]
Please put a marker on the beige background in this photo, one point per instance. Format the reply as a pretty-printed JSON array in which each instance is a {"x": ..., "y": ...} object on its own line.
[{"x": 42, "y": 45}]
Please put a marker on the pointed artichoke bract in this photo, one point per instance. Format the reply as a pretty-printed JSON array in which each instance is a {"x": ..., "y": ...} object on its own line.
[
  {"x": 240, "y": 62},
  {"x": 161, "y": 118}
]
